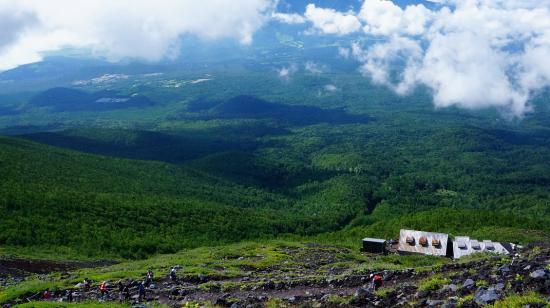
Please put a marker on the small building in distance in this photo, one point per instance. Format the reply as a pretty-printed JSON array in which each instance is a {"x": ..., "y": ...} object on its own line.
[
  {"x": 426, "y": 243},
  {"x": 374, "y": 245},
  {"x": 464, "y": 245}
]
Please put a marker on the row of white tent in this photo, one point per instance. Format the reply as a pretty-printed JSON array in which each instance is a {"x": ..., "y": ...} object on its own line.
[
  {"x": 437, "y": 244},
  {"x": 441, "y": 244},
  {"x": 464, "y": 245}
]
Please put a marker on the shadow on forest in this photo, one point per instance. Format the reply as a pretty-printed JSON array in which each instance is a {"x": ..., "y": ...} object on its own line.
[
  {"x": 250, "y": 107},
  {"x": 142, "y": 145}
]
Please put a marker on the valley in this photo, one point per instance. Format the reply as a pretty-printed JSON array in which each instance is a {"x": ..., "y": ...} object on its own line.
[{"x": 254, "y": 163}]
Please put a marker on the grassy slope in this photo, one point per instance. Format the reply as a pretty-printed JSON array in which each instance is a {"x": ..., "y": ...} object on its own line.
[
  {"x": 223, "y": 262},
  {"x": 105, "y": 201},
  {"x": 112, "y": 207}
]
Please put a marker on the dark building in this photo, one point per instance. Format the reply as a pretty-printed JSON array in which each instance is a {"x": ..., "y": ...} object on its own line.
[{"x": 374, "y": 245}]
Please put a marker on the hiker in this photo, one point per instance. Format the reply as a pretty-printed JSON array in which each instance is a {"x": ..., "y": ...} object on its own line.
[
  {"x": 126, "y": 291},
  {"x": 377, "y": 281},
  {"x": 120, "y": 291},
  {"x": 86, "y": 284},
  {"x": 70, "y": 296},
  {"x": 141, "y": 291},
  {"x": 103, "y": 289},
  {"x": 149, "y": 279},
  {"x": 173, "y": 274},
  {"x": 46, "y": 295}
]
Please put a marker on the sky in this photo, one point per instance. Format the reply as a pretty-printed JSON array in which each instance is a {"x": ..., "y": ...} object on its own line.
[{"x": 471, "y": 53}]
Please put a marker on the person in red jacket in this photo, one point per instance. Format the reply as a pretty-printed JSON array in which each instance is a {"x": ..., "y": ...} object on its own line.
[
  {"x": 46, "y": 295},
  {"x": 103, "y": 288},
  {"x": 377, "y": 281}
]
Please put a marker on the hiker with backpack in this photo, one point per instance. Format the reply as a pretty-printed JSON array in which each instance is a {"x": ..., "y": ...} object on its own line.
[
  {"x": 173, "y": 274},
  {"x": 149, "y": 278},
  {"x": 87, "y": 284},
  {"x": 69, "y": 294},
  {"x": 377, "y": 282},
  {"x": 46, "y": 295},
  {"x": 103, "y": 289},
  {"x": 141, "y": 291}
]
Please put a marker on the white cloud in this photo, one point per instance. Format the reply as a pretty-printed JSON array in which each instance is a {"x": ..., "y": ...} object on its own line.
[
  {"x": 331, "y": 88},
  {"x": 286, "y": 72},
  {"x": 314, "y": 68},
  {"x": 344, "y": 52},
  {"x": 377, "y": 62},
  {"x": 470, "y": 53},
  {"x": 330, "y": 21},
  {"x": 288, "y": 18},
  {"x": 143, "y": 29},
  {"x": 383, "y": 17}
]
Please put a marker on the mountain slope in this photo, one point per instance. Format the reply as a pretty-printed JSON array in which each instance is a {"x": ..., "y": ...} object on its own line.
[{"x": 99, "y": 205}]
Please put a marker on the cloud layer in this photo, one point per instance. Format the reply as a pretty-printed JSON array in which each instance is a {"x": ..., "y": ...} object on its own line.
[
  {"x": 330, "y": 21},
  {"x": 120, "y": 29},
  {"x": 470, "y": 53}
]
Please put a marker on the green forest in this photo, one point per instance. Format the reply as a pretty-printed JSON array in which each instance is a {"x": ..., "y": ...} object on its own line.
[{"x": 201, "y": 170}]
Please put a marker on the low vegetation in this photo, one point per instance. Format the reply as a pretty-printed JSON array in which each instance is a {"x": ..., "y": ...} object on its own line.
[{"x": 521, "y": 301}]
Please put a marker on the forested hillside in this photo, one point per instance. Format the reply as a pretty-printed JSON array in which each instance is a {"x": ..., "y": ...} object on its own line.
[
  {"x": 127, "y": 161},
  {"x": 132, "y": 193},
  {"x": 110, "y": 206}
]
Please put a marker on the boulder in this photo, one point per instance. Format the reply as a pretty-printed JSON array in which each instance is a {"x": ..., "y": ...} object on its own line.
[
  {"x": 485, "y": 296},
  {"x": 422, "y": 294},
  {"x": 504, "y": 269},
  {"x": 540, "y": 274},
  {"x": 449, "y": 288},
  {"x": 468, "y": 284}
]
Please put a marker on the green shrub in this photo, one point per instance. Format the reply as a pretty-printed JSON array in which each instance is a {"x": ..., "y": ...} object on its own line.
[{"x": 433, "y": 283}]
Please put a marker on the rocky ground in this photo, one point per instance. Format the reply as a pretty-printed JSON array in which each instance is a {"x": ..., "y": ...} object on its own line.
[
  {"x": 15, "y": 270},
  {"x": 317, "y": 276}
]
